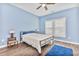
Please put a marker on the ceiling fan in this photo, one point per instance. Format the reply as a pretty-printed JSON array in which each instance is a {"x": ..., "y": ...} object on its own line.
[{"x": 44, "y": 5}]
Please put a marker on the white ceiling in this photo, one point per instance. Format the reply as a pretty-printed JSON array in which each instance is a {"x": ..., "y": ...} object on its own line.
[{"x": 31, "y": 7}]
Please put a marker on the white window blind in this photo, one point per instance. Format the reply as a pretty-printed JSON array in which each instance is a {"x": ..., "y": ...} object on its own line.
[{"x": 57, "y": 27}]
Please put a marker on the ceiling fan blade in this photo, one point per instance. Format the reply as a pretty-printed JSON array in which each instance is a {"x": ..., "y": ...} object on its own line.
[
  {"x": 39, "y": 7},
  {"x": 46, "y": 8},
  {"x": 50, "y": 3}
]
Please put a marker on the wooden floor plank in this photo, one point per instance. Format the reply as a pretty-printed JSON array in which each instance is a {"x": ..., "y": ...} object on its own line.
[{"x": 27, "y": 50}]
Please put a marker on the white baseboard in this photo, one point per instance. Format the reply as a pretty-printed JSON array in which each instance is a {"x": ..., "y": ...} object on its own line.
[
  {"x": 3, "y": 46},
  {"x": 55, "y": 40},
  {"x": 67, "y": 41}
]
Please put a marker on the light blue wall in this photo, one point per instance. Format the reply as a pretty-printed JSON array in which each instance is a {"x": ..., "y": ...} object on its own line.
[
  {"x": 72, "y": 31},
  {"x": 17, "y": 19},
  {"x": 0, "y": 22}
]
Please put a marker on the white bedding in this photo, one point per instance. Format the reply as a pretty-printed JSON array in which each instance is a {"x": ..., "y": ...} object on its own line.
[{"x": 36, "y": 39}]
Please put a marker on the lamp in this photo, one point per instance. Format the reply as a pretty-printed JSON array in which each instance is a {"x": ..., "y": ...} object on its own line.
[{"x": 12, "y": 33}]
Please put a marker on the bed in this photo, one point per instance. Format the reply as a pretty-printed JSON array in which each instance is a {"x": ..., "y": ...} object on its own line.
[{"x": 35, "y": 39}]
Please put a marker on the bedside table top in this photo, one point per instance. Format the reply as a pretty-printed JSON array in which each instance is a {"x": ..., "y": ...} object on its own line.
[{"x": 11, "y": 39}]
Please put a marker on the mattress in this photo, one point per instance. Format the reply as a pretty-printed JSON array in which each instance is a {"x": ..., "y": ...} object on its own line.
[{"x": 37, "y": 36}]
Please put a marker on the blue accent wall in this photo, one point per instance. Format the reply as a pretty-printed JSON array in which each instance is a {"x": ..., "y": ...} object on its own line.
[
  {"x": 72, "y": 31},
  {"x": 16, "y": 19},
  {"x": 0, "y": 23}
]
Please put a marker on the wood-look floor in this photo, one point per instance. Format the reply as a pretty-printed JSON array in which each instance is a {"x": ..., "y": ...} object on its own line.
[{"x": 26, "y": 50}]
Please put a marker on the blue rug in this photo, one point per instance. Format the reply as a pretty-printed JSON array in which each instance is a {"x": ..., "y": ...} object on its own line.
[{"x": 57, "y": 50}]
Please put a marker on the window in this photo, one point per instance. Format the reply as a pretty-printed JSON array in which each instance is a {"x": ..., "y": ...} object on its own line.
[{"x": 57, "y": 27}]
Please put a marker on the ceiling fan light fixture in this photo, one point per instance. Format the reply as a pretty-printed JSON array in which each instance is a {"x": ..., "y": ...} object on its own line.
[{"x": 43, "y": 5}]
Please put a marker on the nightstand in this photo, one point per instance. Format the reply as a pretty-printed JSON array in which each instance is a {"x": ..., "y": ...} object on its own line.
[{"x": 12, "y": 41}]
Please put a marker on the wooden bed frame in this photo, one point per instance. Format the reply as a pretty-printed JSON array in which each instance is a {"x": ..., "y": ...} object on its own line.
[{"x": 46, "y": 40}]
